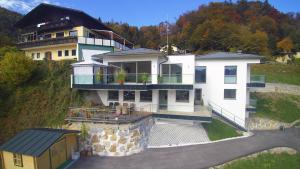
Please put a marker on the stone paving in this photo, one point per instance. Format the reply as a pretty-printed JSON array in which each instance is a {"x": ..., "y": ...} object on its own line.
[{"x": 167, "y": 133}]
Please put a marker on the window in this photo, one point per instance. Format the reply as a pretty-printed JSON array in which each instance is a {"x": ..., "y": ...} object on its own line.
[
  {"x": 47, "y": 36},
  {"x": 59, "y": 53},
  {"x": 91, "y": 35},
  {"x": 74, "y": 52},
  {"x": 18, "y": 160},
  {"x": 73, "y": 33},
  {"x": 130, "y": 69},
  {"x": 182, "y": 95},
  {"x": 66, "y": 53},
  {"x": 229, "y": 93},
  {"x": 38, "y": 55},
  {"x": 59, "y": 34},
  {"x": 200, "y": 74},
  {"x": 230, "y": 74},
  {"x": 113, "y": 95},
  {"x": 146, "y": 96},
  {"x": 171, "y": 73},
  {"x": 32, "y": 55},
  {"x": 129, "y": 96}
]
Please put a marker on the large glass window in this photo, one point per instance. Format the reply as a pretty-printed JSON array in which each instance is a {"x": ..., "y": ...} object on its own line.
[
  {"x": 113, "y": 95},
  {"x": 200, "y": 74},
  {"x": 18, "y": 161},
  {"x": 146, "y": 96},
  {"x": 230, "y": 74},
  {"x": 73, "y": 33},
  {"x": 130, "y": 69},
  {"x": 66, "y": 52},
  {"x": 182, "y": 95},
  {"x": 229, "y": 93},
  {"x": 144, "y": 70},
  {"x": 129, "y": 96},
  {"x": 171, "y": 73}
]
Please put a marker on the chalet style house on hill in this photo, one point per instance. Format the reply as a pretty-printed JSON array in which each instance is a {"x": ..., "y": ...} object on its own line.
[{"x": 59, "y": 33}]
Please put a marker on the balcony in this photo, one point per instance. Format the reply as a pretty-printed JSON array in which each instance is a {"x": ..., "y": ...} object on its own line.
[
  {"x": 251, "y": 107},
  {"x": 46, "y": 42},
  {"x": 133, "y": 81},
  {"x": 257, "y": 81}
]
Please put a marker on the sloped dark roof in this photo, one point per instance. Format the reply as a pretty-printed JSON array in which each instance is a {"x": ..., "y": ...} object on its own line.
[
  {"x": 137, "y": 51},
  {"x": 227, "y": 55},
  {"x": 50, "y": 13},
  {"x": 34, "y": 142}
]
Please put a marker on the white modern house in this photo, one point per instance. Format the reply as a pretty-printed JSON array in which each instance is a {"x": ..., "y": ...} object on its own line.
[{"x": 186, "y": 87}]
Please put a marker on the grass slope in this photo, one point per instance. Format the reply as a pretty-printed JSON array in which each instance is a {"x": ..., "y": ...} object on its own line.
[
  {"x": 217, "y": 130},
  {"x": 267, "y": 161},
  {"x": 278, "y": 73},
  {"x": 278, "y": 106},
  {"x": 42, "y": 102}
]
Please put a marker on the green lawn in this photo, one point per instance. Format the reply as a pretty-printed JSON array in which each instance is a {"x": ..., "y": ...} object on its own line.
[
  {"x": 267, "y": 161},
  {"x": 278, "y": 106},
  {"x": 217, "y": 130},
  {"x": 278, "y": 73}
]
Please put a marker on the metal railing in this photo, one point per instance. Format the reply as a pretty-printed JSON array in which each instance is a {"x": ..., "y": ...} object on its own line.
[
  {"x": 227, "y": 114},
  {"x": 257, "y": 79},
  {"x": 252, "y": 102}
]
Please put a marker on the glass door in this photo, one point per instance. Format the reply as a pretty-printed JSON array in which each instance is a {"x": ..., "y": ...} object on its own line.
[{"x": 163, "y": 99}]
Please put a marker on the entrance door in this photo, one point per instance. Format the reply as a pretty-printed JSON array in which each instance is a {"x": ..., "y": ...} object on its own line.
[
  {"x": 163, "y": 99},
  {"x": 48, "y": 55},
  {"x": 198, "y": 97}
]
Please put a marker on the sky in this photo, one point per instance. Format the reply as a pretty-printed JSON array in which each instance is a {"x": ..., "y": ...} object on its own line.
[{"x": 135, "y": 12}]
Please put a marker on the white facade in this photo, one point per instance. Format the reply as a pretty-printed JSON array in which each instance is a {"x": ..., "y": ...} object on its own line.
[{"x": 212, "y": 90}]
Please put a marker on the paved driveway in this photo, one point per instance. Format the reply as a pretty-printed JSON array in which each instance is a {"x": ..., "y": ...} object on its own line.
[{"x": 196, "y": 156}]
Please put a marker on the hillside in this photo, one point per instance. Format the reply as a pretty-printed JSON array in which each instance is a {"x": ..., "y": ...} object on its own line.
[
  {"x": 8, "y": 33},
  {"x": 40, "y": 102}
]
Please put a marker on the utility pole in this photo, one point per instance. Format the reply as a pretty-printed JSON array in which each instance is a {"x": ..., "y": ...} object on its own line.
[{"x": 167, "y": 22}]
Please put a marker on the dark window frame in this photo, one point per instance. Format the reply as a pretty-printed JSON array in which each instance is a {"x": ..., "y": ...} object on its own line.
[
  {"x": 129, "y": 94},
  {"x": 230, "y": 74},
  {"x": 147, "y": 98},
  {"x": 73, "y": 52},
  {"x": 180, "y": 94},
  {"x": 228, "y": 97},
  {"x": 61, "y": 34},
  {"x": 200, "y": 81},
  {"x": 18, "y": 160},
  {"x": 59, "y": 53},
  {"x": 66, "y": 52},
  {"x": 38, "y": 55},
  {"x": 73, "y": 35},
  {"x": 113, "y": 99}
]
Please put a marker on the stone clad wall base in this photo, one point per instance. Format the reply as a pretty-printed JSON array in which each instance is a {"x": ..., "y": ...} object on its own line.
[{"x": 117, "y": 140}]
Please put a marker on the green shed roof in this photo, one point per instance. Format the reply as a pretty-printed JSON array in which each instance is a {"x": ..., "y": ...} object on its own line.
[{"x": 34, "y": 142}]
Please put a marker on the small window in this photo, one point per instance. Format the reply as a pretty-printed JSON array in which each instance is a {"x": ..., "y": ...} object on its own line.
[
  {"x": 18, "y": 160},
  {"x": 146, "y": 96},
  {"x": 230, "y": 74},
  {"x": 113, "y": 95},
  {"x": 47, "y": 36},
  {"x": 74, "y": 52},
  {"x": 129, "y": 95},
  {"x": 66, "y": 53},
  {"x": 200, "y": 74},
  {"x": 182, "y": 95},
  {"x": 59, "y": 53},
  {"x": 32, "y": 55},
  {"x": 38, "y": 55},
  {"x": 73, "y": 33},
  {"x": 229, "y": 93},
  {"x": 91, "y": 35},
  {"x": 60, "y": 34}
]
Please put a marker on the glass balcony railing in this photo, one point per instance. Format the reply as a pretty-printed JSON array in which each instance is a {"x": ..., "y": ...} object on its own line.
[
  {"x": 257, "y": 79},
  {"x": 170, "y": 78}
]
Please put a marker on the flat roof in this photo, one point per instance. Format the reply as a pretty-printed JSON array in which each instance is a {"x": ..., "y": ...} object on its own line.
[
  {"x": 227, "y": 55},
  {"x": 34, "y": 142},
  {"x": 137, "y": 51}
]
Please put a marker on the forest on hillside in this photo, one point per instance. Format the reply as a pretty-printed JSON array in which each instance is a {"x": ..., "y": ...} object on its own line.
[{"x": 253, "y": 27}]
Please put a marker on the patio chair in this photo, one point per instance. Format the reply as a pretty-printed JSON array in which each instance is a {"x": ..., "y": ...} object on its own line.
[
  {"x": 118, "y": 110},
  {"x": 131, "y": 108}
]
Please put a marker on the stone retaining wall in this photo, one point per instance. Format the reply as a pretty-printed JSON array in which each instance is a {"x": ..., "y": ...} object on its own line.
[
  {"x": 259, "y": 123},
  {"x": 117, "y": 140}
]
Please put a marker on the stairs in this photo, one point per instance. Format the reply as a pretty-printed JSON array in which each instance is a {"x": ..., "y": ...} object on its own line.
[{"x": 227, "y": 116}]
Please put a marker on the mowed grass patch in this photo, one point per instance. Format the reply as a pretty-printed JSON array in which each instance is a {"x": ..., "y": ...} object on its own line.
[
  {"x": 217, "y": 130},
  {"x": 267, "y": 161},
  {"x": 278, "y": 106},
  {"x": 278, "y": 73}
]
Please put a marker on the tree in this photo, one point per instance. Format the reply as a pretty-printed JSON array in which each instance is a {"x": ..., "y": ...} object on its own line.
[
  {"x": 15, "y": 69},
  {"x": 286, "y": 45}
]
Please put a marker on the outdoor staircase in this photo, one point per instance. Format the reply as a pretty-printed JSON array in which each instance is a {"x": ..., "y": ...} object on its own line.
[{"x": 227, "y": 116}]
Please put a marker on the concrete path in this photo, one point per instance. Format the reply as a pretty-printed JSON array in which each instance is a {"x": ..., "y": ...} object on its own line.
[
  {"x": 168, "y": 133},
  {"x": 196, "y": 156},
  {"x": 279, "y": 88}
]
